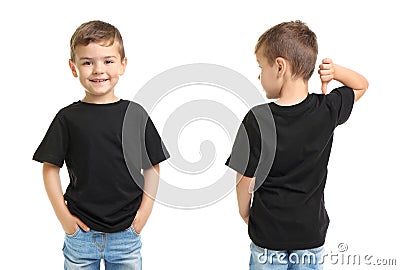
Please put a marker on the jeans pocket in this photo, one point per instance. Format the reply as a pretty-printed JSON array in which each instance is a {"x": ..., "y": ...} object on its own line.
[
  {"x": 317, "y": 250},
  {"x": 256, "y": 248},
  {"x": 259, "y": 255},
  {"x": 74, "y": 234},
  {"x": 133, "y": 231}
]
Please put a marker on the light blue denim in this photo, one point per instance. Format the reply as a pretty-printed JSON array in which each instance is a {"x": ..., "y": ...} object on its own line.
[
  {"x": 119, "y": 251},
  {"x": 266, "y": 259}
]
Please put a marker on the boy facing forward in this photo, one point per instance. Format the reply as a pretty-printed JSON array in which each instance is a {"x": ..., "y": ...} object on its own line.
[
  {"x": 104, "y": 207},
  {"x": 287, "y": 220}
]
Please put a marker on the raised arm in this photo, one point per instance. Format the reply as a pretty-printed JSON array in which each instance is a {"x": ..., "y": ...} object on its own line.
[
  {"x": 244, "y": 189},
  {"x": 329, "y": 71}
]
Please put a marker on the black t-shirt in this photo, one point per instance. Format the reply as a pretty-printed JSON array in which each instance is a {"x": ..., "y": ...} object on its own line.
[
  {"x": 89, "y": 138},
  {"x": 288, "y": 209}
]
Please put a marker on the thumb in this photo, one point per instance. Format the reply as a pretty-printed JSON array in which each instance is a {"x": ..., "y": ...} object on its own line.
[
  {"x": 324, "y": 87},
  {"x": 82, "y": 225}
]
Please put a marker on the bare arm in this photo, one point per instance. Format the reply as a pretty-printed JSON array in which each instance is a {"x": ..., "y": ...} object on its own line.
[
  {"x": 151, "y": 180},
  {"x": 329, "y": 71},
  {"x": 244, "y": 189},
  {"x": 52, "y": 183}
]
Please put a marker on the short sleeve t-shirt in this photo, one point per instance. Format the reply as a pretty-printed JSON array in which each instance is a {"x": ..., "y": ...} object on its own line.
[
  {"x": 288, "y": 209},
  {"x": 104, "y": 191}
]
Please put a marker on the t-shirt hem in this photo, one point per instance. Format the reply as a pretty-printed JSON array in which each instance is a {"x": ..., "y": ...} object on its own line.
[
  {"x": 48, "y": 159},
  {"x": 238, "y": 170},
  {"x": 288, "y": 245},
  {"x": 116, "y": 229},
  {"x": 106, "y": 228},
  {"x": 156, "y": 161}
]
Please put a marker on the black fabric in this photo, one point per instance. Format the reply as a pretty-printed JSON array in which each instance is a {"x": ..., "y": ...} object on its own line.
[
  {"x": 88, "y": 138},
  {"x": 288, "y": 209}
]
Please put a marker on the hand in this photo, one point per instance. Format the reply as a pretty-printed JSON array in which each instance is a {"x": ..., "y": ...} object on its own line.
[
  {"x": 71, "y": 223},
  {"x": 139, "y": 222},
  {"x": 326, "y": 72},
  {"x": 246, "y": 220}
]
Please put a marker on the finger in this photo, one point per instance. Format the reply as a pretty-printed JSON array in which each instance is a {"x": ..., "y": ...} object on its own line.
[
  {"x": 325, "y": 66},
  {"x": 325, "y": 73},
  {"x": 82, "y": 225},
  {"x": 327, "y": 61},
  {"x": 326, "y": 78},
  {"x": 324, "y": 87}
]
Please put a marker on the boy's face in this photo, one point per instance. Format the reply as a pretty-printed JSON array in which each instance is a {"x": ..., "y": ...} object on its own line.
[
  {"x": 269, "y": 75},
  {"x": 98, "y": 68}
]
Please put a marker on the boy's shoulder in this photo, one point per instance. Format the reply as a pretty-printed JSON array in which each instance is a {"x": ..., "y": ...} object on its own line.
[
  {"x": 262, "y": 107},
  {"x": 259, "y": 110},
  {"x": 261, "y": 117},
  {"x": 137, "y": 106},
  {"x": 66, "y": 109}
]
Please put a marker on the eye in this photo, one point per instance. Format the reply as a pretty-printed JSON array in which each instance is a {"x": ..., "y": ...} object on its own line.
[
  {"x": 109, "y": 62},
  {"x": 86, "y": 63}
]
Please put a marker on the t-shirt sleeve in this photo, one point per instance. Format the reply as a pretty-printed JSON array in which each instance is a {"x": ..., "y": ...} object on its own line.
[
  {"x": 53, "y": 147},
  {"x": 341, "y": 100},
  {"x": 154, "y": 150},
  {"x": 246, "y": 148}
]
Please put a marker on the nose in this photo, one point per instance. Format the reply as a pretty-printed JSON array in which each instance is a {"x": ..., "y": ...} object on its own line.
[{"x": 98, "y": 68}]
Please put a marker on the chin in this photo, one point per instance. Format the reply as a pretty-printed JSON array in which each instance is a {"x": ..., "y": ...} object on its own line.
[
  {"x": 269, "y": 96},
  {"x": 272, "y": 95}
]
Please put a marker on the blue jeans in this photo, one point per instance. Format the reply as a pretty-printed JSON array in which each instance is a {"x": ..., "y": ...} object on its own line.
[
  {"x": 85, "y": 250},
  {"x": 266, "y": 259}
]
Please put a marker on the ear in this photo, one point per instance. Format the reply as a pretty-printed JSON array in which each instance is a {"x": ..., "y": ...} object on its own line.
[
  {"x": 73, "y": 68},
  {"x": 281, "y": 66},
  {"x": 124, "y": 62}
]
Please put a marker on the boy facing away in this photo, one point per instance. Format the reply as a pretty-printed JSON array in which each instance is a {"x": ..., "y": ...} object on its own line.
[
  {"x": 104, "y": 207},
  {"x": 287, "y": 220}
]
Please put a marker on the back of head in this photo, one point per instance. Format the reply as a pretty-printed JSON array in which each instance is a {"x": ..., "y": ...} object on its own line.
[
  {"x": 98, "y": 32},
  {"x": 293, "y": 41}
]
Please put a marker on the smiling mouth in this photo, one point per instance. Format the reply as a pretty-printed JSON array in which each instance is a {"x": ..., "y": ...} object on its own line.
[{"x": 99, "y": 80}]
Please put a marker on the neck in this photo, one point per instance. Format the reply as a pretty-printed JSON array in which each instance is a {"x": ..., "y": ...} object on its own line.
[
  {"x": 293, "y": 92},
  {"x": 100, "y": 99}
]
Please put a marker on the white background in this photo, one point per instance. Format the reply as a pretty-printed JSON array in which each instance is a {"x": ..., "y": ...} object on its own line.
[{"x": 362, "y": 189}]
